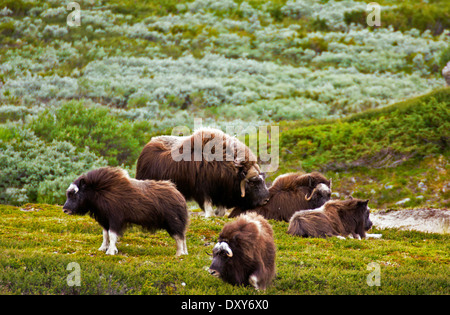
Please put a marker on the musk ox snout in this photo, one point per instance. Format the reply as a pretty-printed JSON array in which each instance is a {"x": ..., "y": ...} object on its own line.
[
  {"x": 214, "y": 273},
  {"x": 67, "y": 211}
]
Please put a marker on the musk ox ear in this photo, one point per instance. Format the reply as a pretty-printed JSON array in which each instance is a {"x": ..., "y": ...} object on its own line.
[
  {"x": 363, "y": 202},
  {"x": 82, "y": 184}
]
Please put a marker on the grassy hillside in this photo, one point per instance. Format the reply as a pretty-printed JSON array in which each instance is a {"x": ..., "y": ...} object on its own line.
[
  {"x": 389, "y": 154},
  {"x": 76, "y": 98},
  {"x": 37, "y": 242},
  {"x": 365, "y": 105}
]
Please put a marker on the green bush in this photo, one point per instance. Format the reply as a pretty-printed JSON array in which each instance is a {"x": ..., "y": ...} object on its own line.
[
  {"x": 33, "y": 170},
  {"x": 118, "y": 141},
  {"x": 379, "y": 138}
]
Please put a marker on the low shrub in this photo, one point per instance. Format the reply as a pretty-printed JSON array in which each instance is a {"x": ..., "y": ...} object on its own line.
[
  {"x": 118, "y": 141},
  {"x": 33, "y": 170}
]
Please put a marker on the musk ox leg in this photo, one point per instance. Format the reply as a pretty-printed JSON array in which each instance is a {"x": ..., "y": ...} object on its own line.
[
  {"x": 373, "y": 235},
  {"x": 181, "y": 245},
  {"x": 105, "y": 243},
  {"x": 112, "y": 250},
  {"x": 207, "y": 206},
  {"x": 220, "y": 211},
  {"x": 253, "y": 280}
]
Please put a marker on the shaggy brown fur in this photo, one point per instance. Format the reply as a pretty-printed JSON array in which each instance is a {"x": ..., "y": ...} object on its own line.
[
  {"x": 234, "y": 181},
  {"x": 336, "y": 217},
  {"x": 245, "y": 253},
  {"x": 115, "y": 200},
  {"x": 288, "y": 194}
]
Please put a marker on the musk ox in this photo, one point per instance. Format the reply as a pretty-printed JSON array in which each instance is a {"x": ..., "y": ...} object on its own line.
[
  {"x": 209, "y": 166},
  {"x": 290, "y": 193},
  {"x": 245, "y": 252},
  {"x": 115, "y": 200},
  {"x": 335, "y": 218}
]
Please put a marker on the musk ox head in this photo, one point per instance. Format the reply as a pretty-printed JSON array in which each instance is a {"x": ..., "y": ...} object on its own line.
[
  {"x": 76, "y": 195},
  {"x": 221, "y": 253},
  {"x": 354, "y": 214},
  {"x": 366, "y": 213},
  {"x": 252, "y": 187},
  {"x": 319, "y": 195}
]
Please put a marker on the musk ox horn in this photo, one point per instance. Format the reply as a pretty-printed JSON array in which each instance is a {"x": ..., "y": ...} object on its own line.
[
  {"x": 330, "y": 182},
  {"x": 225, "y": 247},
  {"x": 310, "y": 196},
  {"x": 321, "y": 187},
  {"x": 252, "y": 172}
]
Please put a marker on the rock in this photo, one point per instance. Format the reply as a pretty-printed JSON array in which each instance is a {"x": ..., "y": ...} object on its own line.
[{"x": 402, "y": 201}]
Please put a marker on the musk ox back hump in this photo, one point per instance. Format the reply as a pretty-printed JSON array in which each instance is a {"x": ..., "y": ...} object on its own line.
[
  {"x": 208, "y": 166},
  {"x": 245, "y": 253}
]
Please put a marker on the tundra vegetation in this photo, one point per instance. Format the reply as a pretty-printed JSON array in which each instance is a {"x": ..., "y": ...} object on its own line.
[{"x": 364, "y": 105}]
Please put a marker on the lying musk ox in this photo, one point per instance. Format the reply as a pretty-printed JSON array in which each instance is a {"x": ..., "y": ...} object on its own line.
[
  {"x": 245, "y": 253},
  {"x": 335, "y": 218},
  {"x": 209, "y": 166},
  {"x": 115, "y": 200},
  {"x": 290, "y": 193}
]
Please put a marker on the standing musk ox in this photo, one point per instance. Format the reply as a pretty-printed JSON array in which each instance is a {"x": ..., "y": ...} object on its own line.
[
  {"x": 115, "y": 201},
  {"x": 245, "y": 252},
  {"x": 335, "y": 218},
  {"x": 209, "y": 166},
  {"x": 290, "y": 193}
]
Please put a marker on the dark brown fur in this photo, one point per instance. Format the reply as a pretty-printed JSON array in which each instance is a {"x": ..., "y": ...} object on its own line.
[
  {"x": 250, "y": 238},
  {"x": 336, "y": 217},
  {"x": 115, "y": 200},
  {"x": 287, "y": 195},
  {"x": 212, "y": 181}
]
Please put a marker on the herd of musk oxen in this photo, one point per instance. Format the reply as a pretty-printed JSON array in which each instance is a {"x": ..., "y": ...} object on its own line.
[{"x": 245, "y": 252}]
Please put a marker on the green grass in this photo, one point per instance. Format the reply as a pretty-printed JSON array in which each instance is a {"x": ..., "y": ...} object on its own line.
[
  {"x": 383, "y": 154},
  {"x": 36, "y": 247}
]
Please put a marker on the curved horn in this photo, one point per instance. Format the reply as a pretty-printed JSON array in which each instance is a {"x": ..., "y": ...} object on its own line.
[
  {"x": 310, "y": 196},
  {"x": 252, "y": 172},
  {"x": 243, "y": 187},
  {"x": 225, "y": 247},
  {"x": 330, "y": 182}
]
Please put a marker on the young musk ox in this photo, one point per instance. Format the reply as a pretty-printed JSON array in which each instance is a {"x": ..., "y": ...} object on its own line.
[
  {"x": 339, "y": 218},
  {"x": 115, "y": 200},
  {"x": 209, "y": 166},
  {"x": 290, "y": 193},
  {"x": 245, "y": 252}
]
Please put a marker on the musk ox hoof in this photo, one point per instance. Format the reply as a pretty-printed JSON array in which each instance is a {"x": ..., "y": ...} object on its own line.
[
  {"x": 112, "y": 251},
  {"x": 103, "y": 248}
]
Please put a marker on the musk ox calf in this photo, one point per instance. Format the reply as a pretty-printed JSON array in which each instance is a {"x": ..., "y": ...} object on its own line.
[
  {"x": 115, "y": 200},
  {"x": 209, "y": 166},
  {"x": 245, "y": 252},
  {"x": 290, "y": 193},
  {"x": 335, "y": 218}
]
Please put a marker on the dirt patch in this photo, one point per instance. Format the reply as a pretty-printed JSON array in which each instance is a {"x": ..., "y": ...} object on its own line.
[{"x": 423, "y": 220}]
